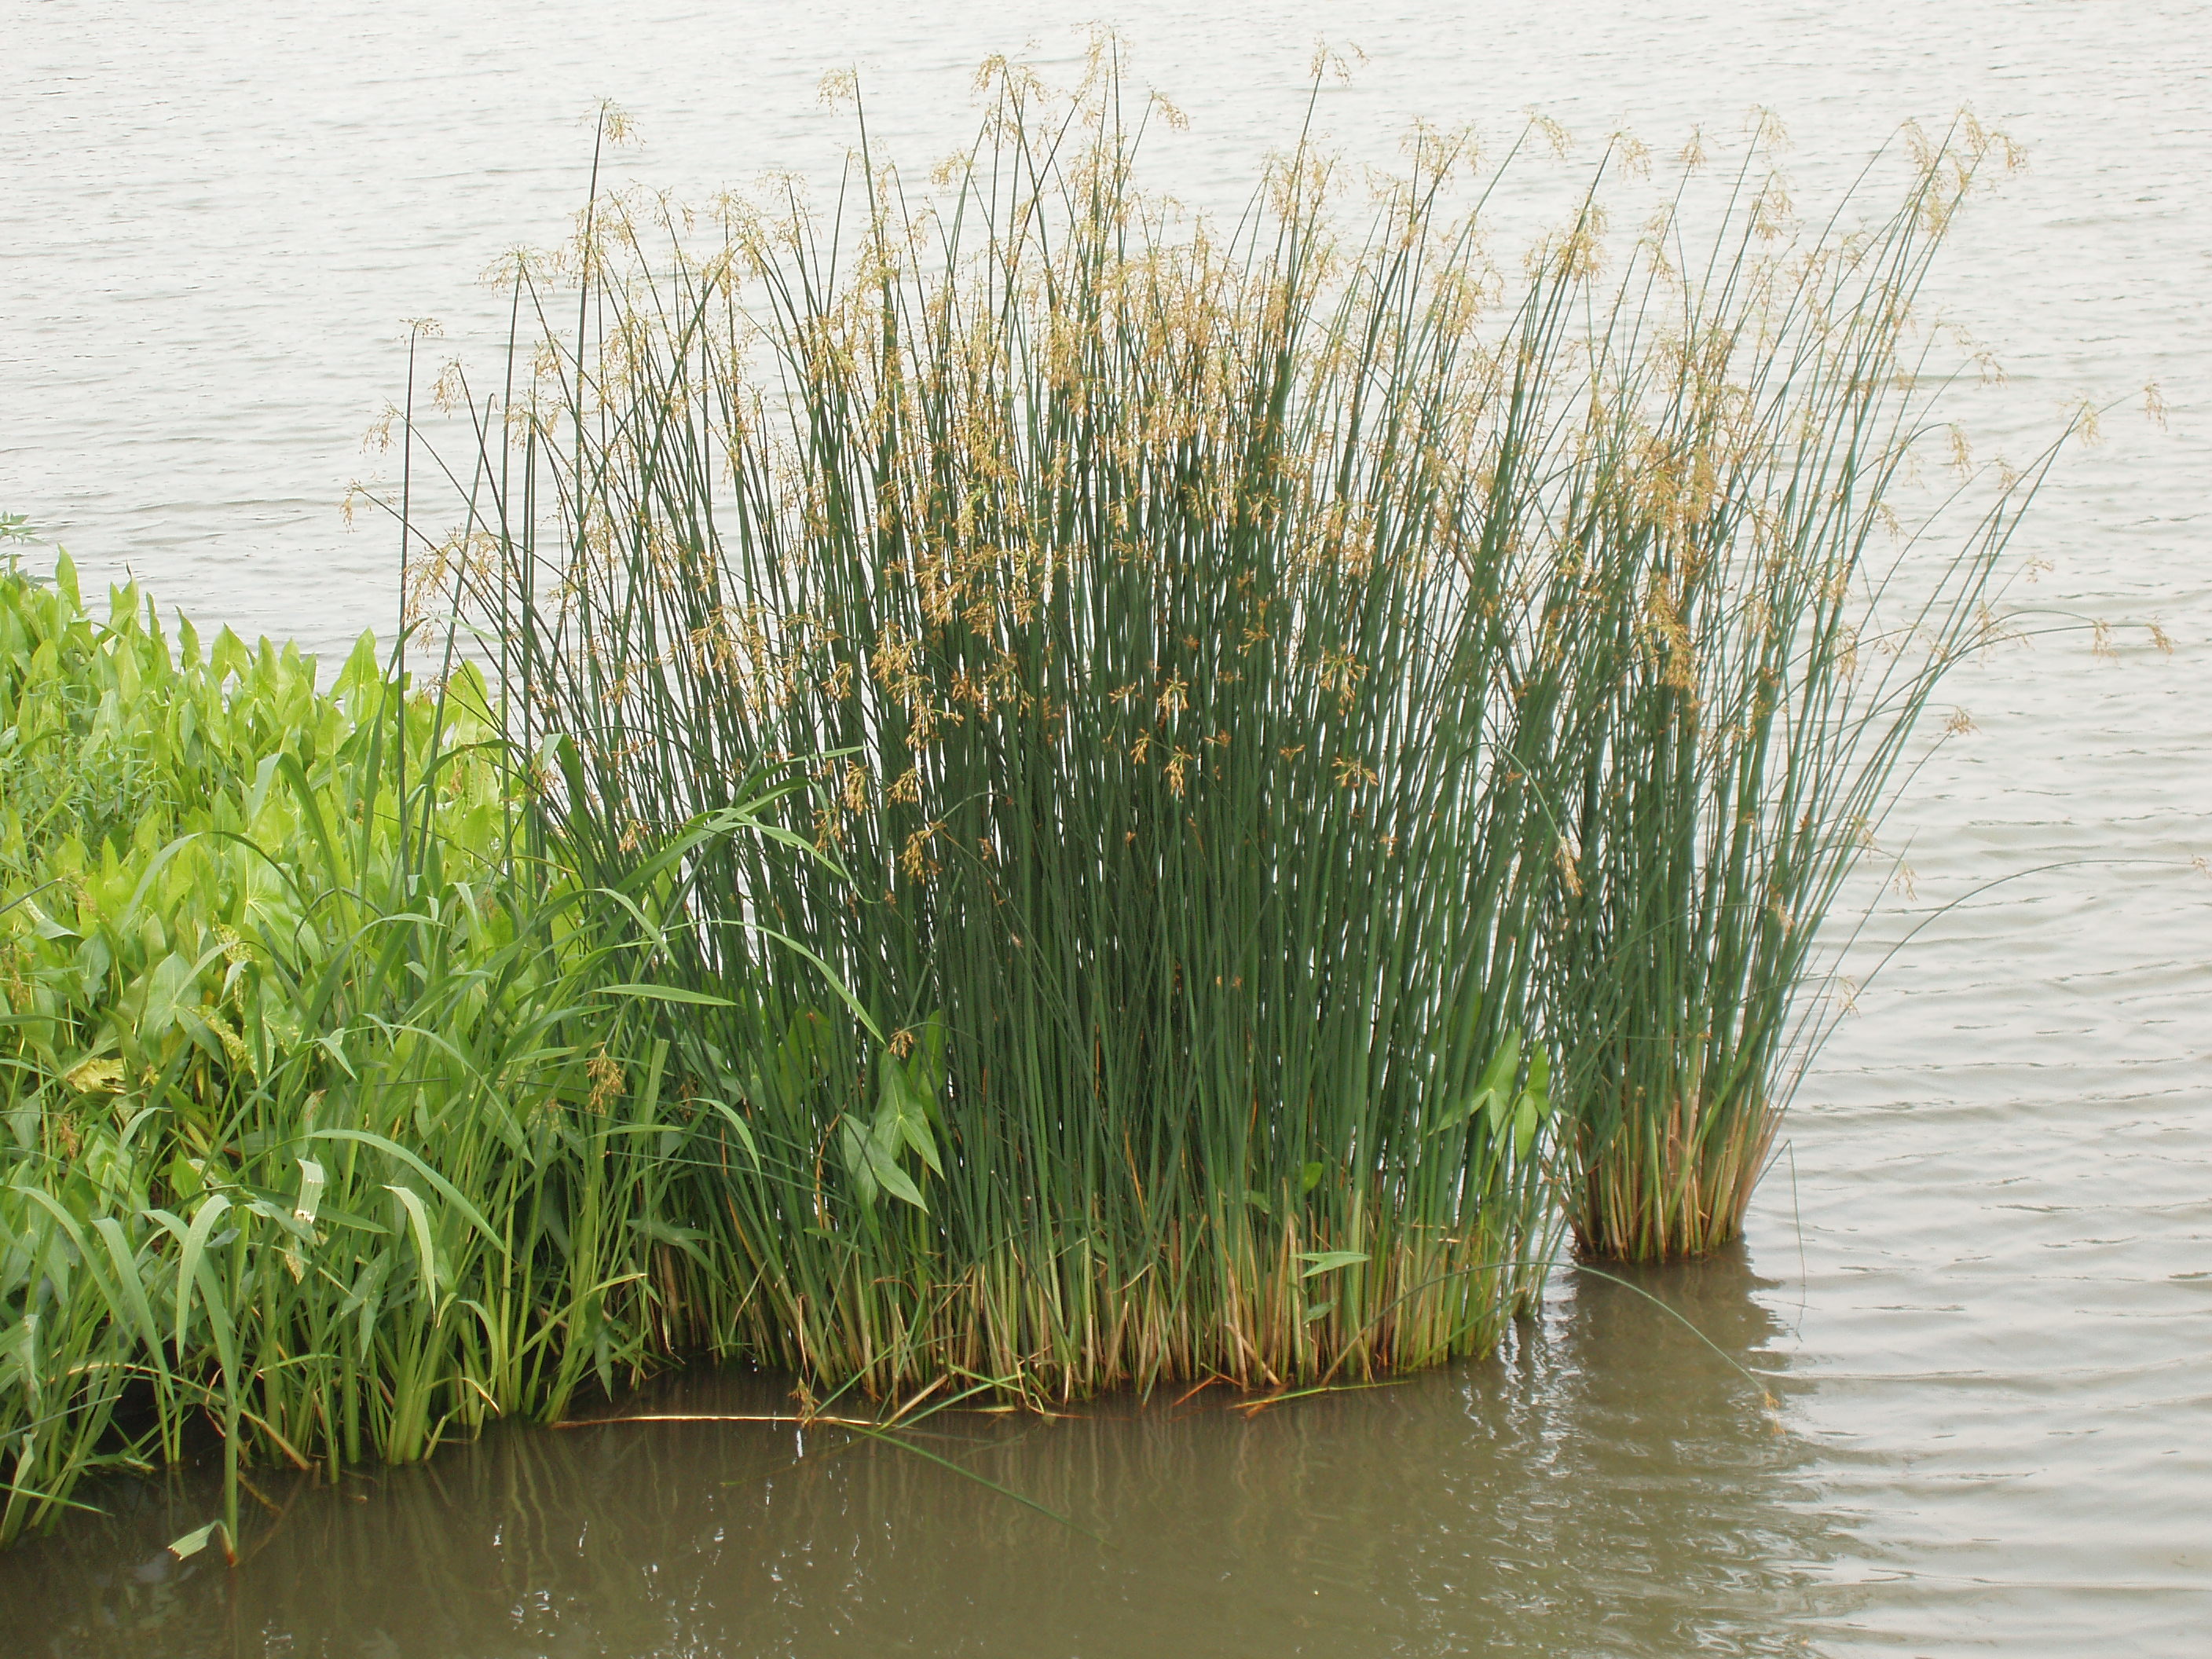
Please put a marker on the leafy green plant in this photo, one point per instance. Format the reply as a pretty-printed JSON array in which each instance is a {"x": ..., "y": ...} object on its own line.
[{"x": 337, "y": 1140}]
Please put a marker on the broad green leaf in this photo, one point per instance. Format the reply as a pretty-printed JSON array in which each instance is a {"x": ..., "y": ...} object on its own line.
[
  {"x": 858, "y": 1164},
  {"x": 1328, "y": 1261},
  {"x": 744, "y": 1130},
  {"x": 666, "y": 993},
  {"x": 192, "y": 1270},
  {"x": 130, "y": 1287},
  {"x": 419, "y": 1220},
  {"x": 311, "y": 1192},
  {"x": 447, "y": 1190},
  {"x": 193, "y": 1542},
  {"x": 1525, "y": 1120}
]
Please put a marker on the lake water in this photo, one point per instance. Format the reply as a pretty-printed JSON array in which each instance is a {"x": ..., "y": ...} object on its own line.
[{"x": 1979, "y": 1283}]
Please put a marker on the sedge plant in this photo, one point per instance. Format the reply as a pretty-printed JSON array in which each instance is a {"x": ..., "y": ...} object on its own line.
[
  {"x": 1131, "y": 602},
  {"x": 1755, "y": 630}
]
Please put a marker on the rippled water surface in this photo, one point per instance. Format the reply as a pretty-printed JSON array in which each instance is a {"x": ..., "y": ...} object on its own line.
[{"x": 1979, "y": 1284}]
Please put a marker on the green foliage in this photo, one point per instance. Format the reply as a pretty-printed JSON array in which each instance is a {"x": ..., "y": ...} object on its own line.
[
  {"x": 1290, "y": 709},
  {"x": 1063, "y": 800},
  {"x": 330, "y": 1136}
]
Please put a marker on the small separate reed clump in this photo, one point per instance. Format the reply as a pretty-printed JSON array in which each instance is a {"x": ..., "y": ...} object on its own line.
[{"x": 1753, "y": 633}]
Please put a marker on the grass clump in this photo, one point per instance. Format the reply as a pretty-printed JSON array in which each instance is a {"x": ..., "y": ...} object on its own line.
[
  {"x": 1139, "y": 607},
  {"x": 1057, "y": 795},
  {"x": 1278, "y": 709},
  {"x": 1756, "y": 631}
]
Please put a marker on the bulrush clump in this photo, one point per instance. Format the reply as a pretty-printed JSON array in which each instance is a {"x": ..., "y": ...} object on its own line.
[
  {"x": 1132, "y": 610},
  {"x": 1753, "y": 632},
  {"x": 1259, "y": 716}
]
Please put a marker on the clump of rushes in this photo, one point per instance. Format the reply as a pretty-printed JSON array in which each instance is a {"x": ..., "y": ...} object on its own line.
[
  {"x": 1754, "y": 635},
  {"x": 1267, "y": 702},
  {"x": 1142, "y": 609}
]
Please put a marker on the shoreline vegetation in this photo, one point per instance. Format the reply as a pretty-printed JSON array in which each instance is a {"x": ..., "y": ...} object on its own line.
[{"x": 1014, "y": 793}]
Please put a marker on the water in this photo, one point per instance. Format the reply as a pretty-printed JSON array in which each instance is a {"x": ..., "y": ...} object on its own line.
[
  {"x": 1452, "y": 1512},
  {"x": 1979, "y": 1286}
]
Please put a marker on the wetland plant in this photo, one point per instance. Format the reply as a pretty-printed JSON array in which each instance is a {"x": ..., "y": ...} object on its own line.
[
  {"x": 1756, "y": 630},
  {"x": 326, "y": 1139},
  {"x": 1140, "y": 610},
  {"x": 1276, "y": 710},
  {"x": 1061, "y": 797},
  {"x": 1059, "y": 793}
]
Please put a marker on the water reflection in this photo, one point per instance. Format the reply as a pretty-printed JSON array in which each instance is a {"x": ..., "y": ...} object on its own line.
[{"x": 1610, "y": 1484}]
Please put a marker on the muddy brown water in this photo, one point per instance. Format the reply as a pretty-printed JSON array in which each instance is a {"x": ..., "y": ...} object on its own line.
[
  {"x": 1611, "y": 1483},
  {"x": 1978, "y": 1284}
]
